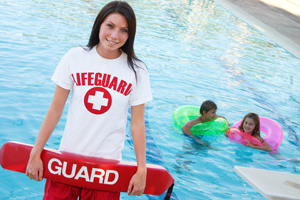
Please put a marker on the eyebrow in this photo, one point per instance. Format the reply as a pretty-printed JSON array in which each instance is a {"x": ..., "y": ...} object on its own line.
[{"x": 114, "y": 24}]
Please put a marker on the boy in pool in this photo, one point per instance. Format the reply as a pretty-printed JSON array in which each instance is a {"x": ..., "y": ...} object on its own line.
[{"x": 208, "y": 111}]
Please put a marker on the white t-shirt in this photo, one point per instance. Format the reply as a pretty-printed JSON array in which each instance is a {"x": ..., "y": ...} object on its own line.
[{"x": 101, "y": 91}]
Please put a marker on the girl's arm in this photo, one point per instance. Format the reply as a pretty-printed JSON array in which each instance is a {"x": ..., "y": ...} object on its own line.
[
  {"x": 34, "y": 168},
  {"x": 266, "y": 146},
  {"x": 138, "y": 181}
]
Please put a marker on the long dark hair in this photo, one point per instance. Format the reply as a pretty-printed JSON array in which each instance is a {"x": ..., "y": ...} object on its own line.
[
  {"x": 255, "y": 117},
  {"x": 124, "y": 9}
]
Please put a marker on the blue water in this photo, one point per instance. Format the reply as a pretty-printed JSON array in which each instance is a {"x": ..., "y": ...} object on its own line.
[{"x": 195, "y": 50}]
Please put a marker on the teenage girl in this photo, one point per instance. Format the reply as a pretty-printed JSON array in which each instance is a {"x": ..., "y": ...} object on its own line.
[
  {"x": 251, "y": 126},
  {"x": 104, "y": 77}
]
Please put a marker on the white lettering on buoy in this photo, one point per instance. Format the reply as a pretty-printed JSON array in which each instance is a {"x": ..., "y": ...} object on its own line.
[
  {"x": 60, "y": 169},
  {"x": 84, "y": 175},
  {"x": 107, "y": 175},
  {"x": 94, "y": 175},
  {"x": 57, "y": 167},
  {"x": 64, "y": 170}
]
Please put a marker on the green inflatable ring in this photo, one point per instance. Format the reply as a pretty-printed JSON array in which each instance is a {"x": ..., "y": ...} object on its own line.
[{"x": 183, "y": 114}]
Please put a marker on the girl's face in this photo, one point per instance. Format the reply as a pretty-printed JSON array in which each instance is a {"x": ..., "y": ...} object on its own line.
[
  {"x": 249, "y": 125},
  {"x": 113, "y": 35}
]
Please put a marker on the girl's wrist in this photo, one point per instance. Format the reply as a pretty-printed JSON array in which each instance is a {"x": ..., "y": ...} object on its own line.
[
  {"x": 35, "y": 154},
  {"x": 141, "y": 170}
]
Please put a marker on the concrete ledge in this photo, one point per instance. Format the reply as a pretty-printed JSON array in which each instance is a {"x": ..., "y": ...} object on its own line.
[{"x": 277, "y": 37}]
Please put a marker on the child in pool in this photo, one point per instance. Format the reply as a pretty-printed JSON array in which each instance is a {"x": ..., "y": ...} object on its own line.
[
  {"x": 208, "y": 111},
  {"x": 251, "y": 126},
  {"x": 107, "y": 68}
]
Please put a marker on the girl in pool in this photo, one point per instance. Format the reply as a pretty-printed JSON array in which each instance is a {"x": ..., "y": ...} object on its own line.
[
  {"x": 104, "y": 77},
  {"x": 251, "y": 126}
]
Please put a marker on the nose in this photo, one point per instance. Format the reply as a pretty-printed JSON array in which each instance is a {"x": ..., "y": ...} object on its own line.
[{"x": 114, "y": 34}]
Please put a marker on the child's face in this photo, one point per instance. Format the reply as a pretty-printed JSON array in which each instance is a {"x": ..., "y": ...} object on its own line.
[
  {"x": 249, "y": 125},
  {"x": 210, "y": 115}
]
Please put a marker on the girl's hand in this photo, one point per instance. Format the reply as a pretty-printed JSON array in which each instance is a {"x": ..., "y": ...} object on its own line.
[
  {"x": 249, "y": 144},
  {"x": 226, "y": 134},
  {"x": 35, "y": 169},
  {"x": 137, "y": 183}
]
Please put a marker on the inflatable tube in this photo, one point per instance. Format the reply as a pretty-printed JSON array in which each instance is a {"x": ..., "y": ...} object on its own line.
[
  {"x": 273, "y": 131},
  {"x": 183, "y": 114},
  {"x": 84, "y": 171},
  {"x": 241, "y": 137}
]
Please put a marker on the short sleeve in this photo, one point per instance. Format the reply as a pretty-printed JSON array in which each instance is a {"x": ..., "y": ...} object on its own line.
[
  {"x": 141, "y": 93},
  {"x": 62, "y": 75}
]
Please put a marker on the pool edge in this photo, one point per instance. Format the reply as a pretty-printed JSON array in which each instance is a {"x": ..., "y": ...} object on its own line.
[{"x": 266, "y": 30}]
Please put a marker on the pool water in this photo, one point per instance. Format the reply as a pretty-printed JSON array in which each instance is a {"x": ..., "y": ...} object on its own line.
[{"x": 195, "y": 50}]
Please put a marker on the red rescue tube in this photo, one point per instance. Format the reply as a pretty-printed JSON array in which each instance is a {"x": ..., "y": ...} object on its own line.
[
  {"x": 241, "y": 137},
  {"x": 84, "y": 171}
]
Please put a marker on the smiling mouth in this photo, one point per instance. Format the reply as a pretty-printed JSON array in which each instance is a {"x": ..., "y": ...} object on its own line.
[
  {"x": 110, "y": 42},
  {"x": 247, "y": 130}
]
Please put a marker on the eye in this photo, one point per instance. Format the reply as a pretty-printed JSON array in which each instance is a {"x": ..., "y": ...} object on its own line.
[
  {"x": 124, "y": 30},
  {"x": 109, "y": 25}
]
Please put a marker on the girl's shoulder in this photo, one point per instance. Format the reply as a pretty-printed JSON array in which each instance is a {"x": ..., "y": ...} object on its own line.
[
  {"x": 78, "y": 53},
  {"x": 78, "y": 50},
  {"x": 139, "y": 64},
  {"x": 259, "y": 138},
  {"x": 141, "y": 68}
]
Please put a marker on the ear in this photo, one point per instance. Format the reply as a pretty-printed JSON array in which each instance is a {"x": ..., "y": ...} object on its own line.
[{"x": 204, "y": 113}]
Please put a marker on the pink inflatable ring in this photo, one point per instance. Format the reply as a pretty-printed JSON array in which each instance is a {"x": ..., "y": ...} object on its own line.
[
  {"x": 273, "y": 131},
  {"x": 241, "y": 137}
]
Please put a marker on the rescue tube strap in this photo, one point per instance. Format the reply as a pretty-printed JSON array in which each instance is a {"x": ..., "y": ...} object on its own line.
[{"x": 169, "y": 192}]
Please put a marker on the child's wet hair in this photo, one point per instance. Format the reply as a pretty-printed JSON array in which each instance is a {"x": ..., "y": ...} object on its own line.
[{"x": 207, "y": 106}]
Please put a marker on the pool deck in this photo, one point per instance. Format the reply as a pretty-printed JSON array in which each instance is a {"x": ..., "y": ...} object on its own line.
[{"x": 277, "y": 19}]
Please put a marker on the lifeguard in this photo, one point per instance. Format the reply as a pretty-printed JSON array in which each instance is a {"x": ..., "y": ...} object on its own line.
[{"x": 104, "y": 80}]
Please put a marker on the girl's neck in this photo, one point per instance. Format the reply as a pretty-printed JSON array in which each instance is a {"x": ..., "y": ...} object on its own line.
[{"x": 108, "y": 54}]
